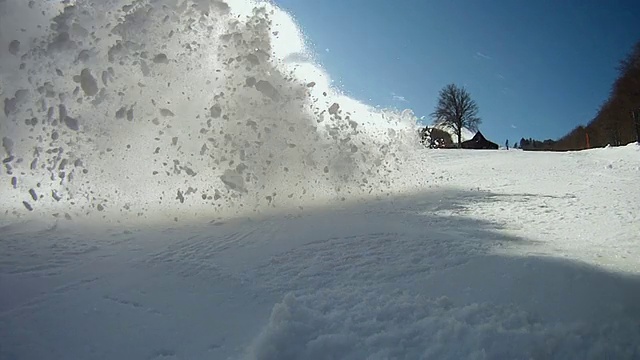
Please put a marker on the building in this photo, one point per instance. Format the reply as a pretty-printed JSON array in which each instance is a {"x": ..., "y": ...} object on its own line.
[{"x": 479, "y": 142}]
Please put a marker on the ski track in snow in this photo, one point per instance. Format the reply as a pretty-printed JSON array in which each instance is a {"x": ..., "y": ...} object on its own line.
[{"x": 511, "y": 268}]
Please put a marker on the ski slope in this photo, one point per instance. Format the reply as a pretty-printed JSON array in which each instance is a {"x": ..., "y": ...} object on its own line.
[
  {"x": 180, "y": 180},
  {"x": 505, "y": 254}
]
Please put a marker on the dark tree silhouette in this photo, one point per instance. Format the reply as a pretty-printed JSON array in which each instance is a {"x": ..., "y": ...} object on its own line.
[{"x": 456, "y": 110}]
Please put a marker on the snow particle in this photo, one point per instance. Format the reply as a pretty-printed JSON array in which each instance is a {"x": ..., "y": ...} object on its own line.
[
  {"x": 166, "y": 112},
  {"x": 233, "y": 180},
  {"x": 62, "y": 112},
  {"x": 27, "y": 206},
  {"x": 14, "y": 47},
  {"x": 215, "y": 111},
  {"x": 71, "y": 123},
  {"x": 121, "y": 113},
  {"x": 88, "y": 82},
  {"x": 333, "y": 110},
  {"x": 7, "y": 144},
  {"x": 267, "y": 90},
  {"x": 105, "y": 78},
  {"x": 161, "y": 59},
  {"x": 144, "y": 68}
]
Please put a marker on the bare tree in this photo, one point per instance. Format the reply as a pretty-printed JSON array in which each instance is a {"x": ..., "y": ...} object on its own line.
[{"x": 456, "y": 110}]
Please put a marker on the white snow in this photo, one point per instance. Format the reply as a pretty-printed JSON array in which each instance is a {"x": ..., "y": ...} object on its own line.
[
  {"x": 214, "y": 204},
  {"x": 502, "y": 255}
]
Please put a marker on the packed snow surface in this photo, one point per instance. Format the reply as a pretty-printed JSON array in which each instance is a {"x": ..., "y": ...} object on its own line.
[
  {"x": 505, "y": 254},
  {"x": 181, "y": 181}
]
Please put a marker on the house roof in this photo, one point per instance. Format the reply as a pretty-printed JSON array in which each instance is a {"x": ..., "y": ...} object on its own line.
[
  {"x": 478, "y": 139},
  {"x": 478, "y": 136}
]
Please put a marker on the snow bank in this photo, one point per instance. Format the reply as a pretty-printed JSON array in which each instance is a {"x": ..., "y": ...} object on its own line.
[{"x": 397, "y": 325}]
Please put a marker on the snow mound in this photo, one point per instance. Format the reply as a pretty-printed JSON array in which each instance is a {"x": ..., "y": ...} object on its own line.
[{"x": 374, "y": 326}]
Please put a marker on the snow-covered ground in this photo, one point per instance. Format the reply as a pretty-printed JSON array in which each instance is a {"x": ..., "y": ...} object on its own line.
[
  {"x": 181, "y": 181},
  {"x": 505, "y": 254}
]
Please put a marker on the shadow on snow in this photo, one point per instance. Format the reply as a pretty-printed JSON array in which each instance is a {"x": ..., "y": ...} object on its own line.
[{"x": 401, "y": 277}]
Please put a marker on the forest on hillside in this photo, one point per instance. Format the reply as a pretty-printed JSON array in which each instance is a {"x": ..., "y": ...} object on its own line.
[{"x": 614, "y": 123}]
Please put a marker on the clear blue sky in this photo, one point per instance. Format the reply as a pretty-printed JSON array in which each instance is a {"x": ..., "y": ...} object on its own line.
[{"x": 536, "y": 68}]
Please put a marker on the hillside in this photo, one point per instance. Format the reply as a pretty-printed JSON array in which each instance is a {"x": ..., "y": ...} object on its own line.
[{"x": 613, "y": 124}]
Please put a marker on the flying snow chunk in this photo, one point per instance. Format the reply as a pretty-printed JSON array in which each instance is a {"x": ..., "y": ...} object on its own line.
[
  {"x": 216, "y": 111},
  {"x": 161, "y": 59},
  {"x": 166, "y": 113},
  {"x": 88, "y": 82},
  {"x": 333, "y": 110},
  {"x": 33, "y": 194},
  {"x": 267, "y": 90},
  {"x": 7, "y": 144},
  {"x": 11, "y": 104},
  {"x": 71, "y": 123},
  {"x": 233, "y": 180},
  {"x": 14, "y": 47}
]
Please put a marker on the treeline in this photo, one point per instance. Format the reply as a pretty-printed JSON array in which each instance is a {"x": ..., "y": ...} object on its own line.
[
  {"x": 614, "y": 122},
  {"x": 532, "y": 144}
]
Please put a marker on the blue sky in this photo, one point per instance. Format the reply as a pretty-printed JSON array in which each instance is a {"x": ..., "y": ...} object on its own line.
[{"x": 536, "y": 68}]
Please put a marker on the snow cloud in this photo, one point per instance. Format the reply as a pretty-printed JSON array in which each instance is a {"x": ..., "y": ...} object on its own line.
[{"x": 215, "y": 158}]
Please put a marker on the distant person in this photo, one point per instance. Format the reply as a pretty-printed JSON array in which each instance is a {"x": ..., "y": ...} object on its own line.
[{"x": 507, "y": 144}]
